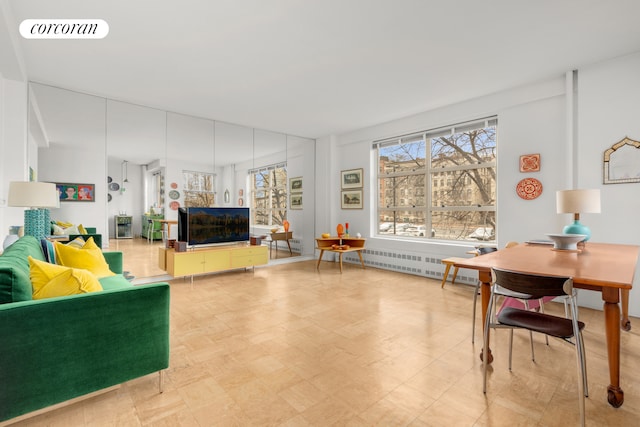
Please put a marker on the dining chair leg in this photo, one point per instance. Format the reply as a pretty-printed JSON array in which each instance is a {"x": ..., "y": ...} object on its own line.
[
  {"x": 473, "y": 322},
  {"x": 541, "y": 305},
  {"x": 510, "y": 347}
]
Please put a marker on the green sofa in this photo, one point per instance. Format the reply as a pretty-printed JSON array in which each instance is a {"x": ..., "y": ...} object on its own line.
[{"x": 57, "y": 349}]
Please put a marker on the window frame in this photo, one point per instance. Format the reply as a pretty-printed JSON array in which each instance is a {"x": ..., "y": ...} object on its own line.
[
  {"x": 281, "y": 186},
  {"x": 437, "y": 180}
]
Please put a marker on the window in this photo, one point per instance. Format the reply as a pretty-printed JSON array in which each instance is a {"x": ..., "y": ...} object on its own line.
[
  {"x": 465, "y": 201},
  {"x": 269, "y": 195},
  {"x": 198, "y": 189}
]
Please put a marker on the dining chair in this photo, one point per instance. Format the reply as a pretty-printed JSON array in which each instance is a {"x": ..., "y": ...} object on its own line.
[
  {"x": 509, "y": 299},
  {"x": 567, "y": 329}
]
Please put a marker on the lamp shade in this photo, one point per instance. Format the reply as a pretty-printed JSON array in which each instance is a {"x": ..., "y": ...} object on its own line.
[
  {"x": 33, "y": 194},
  {"x": 578, "y": 201}
]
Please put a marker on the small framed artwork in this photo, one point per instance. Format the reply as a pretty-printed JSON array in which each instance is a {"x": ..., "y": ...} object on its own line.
[
  {"x": 296, "y": 201},
  {"x": 76, "y": 192},
  {"x": 530, "y": 163},
  {"x": 351, "y": 178},
  {"x": 351, "y": 199},
  {"x": 295, "y": 185}
]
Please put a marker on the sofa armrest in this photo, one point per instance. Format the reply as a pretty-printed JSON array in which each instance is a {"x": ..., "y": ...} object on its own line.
[
  {"x": 58, "y": 349},
  {"x": 115, "y": 261}
]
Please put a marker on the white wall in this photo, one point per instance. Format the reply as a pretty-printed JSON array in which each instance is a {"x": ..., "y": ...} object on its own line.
[
  {"x": 14, "y": 158},
  {"x": 64, "y": 165},
  {"x": 531, "y": 119},
  {"x": 609, "y": 111}
]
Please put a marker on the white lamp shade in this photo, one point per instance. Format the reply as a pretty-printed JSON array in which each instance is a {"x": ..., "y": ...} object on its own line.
[
  {"x": 578, "y": 201},
  {"x": 33, "y": 194}
]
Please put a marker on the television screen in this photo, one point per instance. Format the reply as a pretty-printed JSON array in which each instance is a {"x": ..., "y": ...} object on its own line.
[{"x": 210, "y": 226}]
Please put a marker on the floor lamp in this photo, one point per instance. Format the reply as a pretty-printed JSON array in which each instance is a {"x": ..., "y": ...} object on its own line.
[{"x": 38, "y": 197}]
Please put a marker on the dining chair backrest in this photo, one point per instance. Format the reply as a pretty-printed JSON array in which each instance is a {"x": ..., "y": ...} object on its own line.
[
  {"x": 482, "y": 250},
  {"x": 535, "y": 285}
]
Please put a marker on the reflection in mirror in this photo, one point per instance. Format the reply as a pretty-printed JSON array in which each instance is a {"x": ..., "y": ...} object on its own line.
[
  {"x": 168, "y": 159},
  {"x": 190, "y": 162},
  {"x": 136, "y": 158},
  {"x": 300, "y": 156},
  {"x": 69, "y": 130}
]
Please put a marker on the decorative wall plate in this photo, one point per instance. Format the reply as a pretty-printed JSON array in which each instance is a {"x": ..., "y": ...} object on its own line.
[
  {"x": 174, "y": 185},
  {"x": 240, "y": 192},
  {"x": 174, "y": 194},
  {"x": 109, "y": 197},
  {"x": 109, "y": 179},
  {"x": 240, "y": 201},
  {"x": 529, "y": 188},
  {"x": 174, "y": 205},
  {"x": 114, "y": 186}
]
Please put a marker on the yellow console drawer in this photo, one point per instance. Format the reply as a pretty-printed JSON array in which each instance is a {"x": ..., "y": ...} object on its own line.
[{"x": 249, "y": 257}]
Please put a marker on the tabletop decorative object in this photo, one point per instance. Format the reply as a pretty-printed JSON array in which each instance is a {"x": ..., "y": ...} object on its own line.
[{"x": 566, "y": 242}]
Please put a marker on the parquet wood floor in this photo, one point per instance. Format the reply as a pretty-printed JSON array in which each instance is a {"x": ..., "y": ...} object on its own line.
[{"x": 288, "y": 345}]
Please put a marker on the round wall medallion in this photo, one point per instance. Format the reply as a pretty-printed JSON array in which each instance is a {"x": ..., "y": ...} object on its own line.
[
  {"x": 109, "y": 179},
  {"x": 174, "y": 185},
  {"x": 529, "y": 188},
  {"x": 240, "y": 201},
  {"x": 174, "y": 194},
  {"x": 240, "y": 192},
  {"x": 174, "y": 206},
  {"x": 109, "y": 197},
  {"x": 114, "y": 186}
]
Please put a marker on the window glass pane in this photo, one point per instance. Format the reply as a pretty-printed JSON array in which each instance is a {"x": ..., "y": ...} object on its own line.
[
  {"x": 279, "y": 198},
  {"x": 465, "y": 148},
  {"x": 269, "y": 195},
  {"x": 198, "y": 189},
  {"x": 461, "y": 202},
  {"x": 464, "y": 225},
  {"x": 402, "y": 157},
  {"x": 472, "y": 187}
]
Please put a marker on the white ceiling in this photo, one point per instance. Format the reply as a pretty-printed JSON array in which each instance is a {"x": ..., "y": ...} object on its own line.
[{"x": 315, "y": 68}]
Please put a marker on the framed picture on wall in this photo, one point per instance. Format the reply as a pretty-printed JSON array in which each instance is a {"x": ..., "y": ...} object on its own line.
[
  {"x": 351, "y": 178},
  {"x": 351, "y": 199},
  {"x": 295, "y": 201},
  {"x": 295, "y": 185},
  {"x": 68, "y": 192}
]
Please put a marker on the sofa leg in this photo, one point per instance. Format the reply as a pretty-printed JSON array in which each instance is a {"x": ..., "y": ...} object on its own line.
[{"x": 161, "y": 381}]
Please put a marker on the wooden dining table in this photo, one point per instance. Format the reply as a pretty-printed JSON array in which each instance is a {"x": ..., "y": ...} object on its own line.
[{"x": 601, "y": 267}]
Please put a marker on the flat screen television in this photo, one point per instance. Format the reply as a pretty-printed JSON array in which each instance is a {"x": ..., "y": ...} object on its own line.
[{"x": 213, "y": 226}]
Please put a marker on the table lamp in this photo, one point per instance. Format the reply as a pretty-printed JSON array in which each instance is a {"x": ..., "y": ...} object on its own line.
[
  {"x": 38, "y": 196},
  {"x": 577, "y": 202}
]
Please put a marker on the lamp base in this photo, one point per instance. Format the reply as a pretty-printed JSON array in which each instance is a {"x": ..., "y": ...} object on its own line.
[
  {"x": 577, "y": 228},
  {"x": 37, "y": 223}
]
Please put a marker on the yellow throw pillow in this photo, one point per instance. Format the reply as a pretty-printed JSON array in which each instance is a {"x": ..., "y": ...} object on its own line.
[
  {"x": 89, "y": 257},
  {"x": 81, "y": 229},
  {"x": 51, "y": 280}
]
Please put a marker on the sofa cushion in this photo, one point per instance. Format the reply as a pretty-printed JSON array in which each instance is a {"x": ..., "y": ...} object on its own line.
[
  {"x": 89, "y": 257},
  {"x": 51, "y": 280},
  {"x": 48, "y": 251},
  {"x": 14, "y": 269},
  {"x": 114, "y": 282}
]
